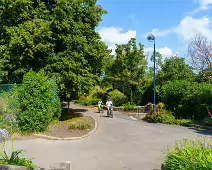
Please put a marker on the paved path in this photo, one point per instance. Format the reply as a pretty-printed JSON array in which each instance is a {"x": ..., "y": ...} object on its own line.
[{"x": 119, "y": 144}]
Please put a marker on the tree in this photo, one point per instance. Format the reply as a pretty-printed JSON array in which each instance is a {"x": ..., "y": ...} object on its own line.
[
  {"x": 174, "y": 68},
  {"x": 159, "y": 62},
  {"x": 56, "y": 35},
  {"x": 128, "y": 68},
  {"x": 200, "y": 53}
]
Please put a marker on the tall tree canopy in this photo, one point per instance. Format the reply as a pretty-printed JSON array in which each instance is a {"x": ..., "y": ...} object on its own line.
[
  {"x": 174, "y": 68},
  {"x": 57, "y": 35},
  {"x": 128, "y": 67}
]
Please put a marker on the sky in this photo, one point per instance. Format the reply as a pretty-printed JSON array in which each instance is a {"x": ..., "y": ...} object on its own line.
[{"x": 172, "y": 22}]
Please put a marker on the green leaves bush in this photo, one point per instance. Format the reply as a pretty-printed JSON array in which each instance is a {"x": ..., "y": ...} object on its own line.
[
  {"x": 39, "y": 103},
  {"x": 117, "y": 97},
  {"x": 190, "y": 154},
  {"x": 129, "y": 107},
  {"x": 187, "y": 99},
  {"x": 162, "y": 116}
]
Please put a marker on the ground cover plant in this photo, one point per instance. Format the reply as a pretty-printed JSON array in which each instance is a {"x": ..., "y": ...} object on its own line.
[{"x": 190, "y": 154}]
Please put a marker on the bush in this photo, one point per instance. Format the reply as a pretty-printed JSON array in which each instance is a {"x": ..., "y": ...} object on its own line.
[
  {"x": 88, "y": 101},
  {"x": 39, "y": 103},
  {"x": 162, "y": 116},
  {"x": 207, "y": 121},
  {"x": 95, "y": 95},
  {"x": 187, "y": 99},
  {"x": 183, "y": 122},
  {"x": 161, "y": 105},
  {"x": 129, "y": 107},
  {"x": 91, "y": 101},
  {"x": 117, "y": 97},
  {"x": 190, "y": 154}
]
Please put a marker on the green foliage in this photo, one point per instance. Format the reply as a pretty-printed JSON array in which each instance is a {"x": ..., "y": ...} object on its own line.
[
  {"x": 163, "y": 116},
  {"x": 128, "y": 68},
  {"x": 2, "y": 105},
  {"x": 58, "y": 36},
  {"x": 99, "y": 93},
  {"x": 15, "y": 159},
  {"x": 80, "y": 123},
  {"x": 161, "y": 105},
  {"x": 117, "y": 97},
  {"x": 129, "y": 107},
  {"x": 190, "y": 154},
  {"x": 38, "y": 101},
  {"x": 187, "y": 99},
  {"x": 144, "y": 92},
  {"x": 207, "y": 121},
  {"x": 174, "y": 68},
  {"x": 88, "y": 101},
  {"x": 183, "y": 122},
  {"x": 75, "y": 126}
]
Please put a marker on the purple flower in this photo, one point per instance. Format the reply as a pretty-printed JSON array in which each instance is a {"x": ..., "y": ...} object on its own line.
[
  {"x": 4, "y": 135},
  {"x": 11, "y": 117}
]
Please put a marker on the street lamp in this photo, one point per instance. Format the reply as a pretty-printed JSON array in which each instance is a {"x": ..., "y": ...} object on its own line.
[{"x": 152, "y": 38}]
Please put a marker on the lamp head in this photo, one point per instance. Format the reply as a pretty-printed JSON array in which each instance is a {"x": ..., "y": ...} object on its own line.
[{"x": 151, "y": 37}]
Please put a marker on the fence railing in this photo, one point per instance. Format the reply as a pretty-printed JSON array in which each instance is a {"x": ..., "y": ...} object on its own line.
[{"x": 7, "y": 87}]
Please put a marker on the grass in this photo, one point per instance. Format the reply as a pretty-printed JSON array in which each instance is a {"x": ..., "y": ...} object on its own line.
[{"x": 79, "y": 123}]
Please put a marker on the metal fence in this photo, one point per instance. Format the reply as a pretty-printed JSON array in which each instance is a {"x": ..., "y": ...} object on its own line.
[{"x": 7, "y": 87}]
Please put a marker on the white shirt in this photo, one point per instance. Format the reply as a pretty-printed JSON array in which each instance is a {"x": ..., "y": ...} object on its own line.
[{"x": 109, "y": 103}]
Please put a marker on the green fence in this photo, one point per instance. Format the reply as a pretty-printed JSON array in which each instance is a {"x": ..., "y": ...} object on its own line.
[{"x": 7, "y": 87}]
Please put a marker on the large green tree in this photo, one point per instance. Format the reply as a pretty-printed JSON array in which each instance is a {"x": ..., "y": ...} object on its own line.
[
  {"x": 174, "y": 68},
  {"x": 57, "y": 35},
  {"x": 128, "y": 68}
]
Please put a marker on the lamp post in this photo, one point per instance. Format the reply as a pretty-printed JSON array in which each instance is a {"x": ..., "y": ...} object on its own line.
[{"x": 152, "y": 38}]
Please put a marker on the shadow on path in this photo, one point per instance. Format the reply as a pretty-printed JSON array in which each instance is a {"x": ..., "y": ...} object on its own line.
[
  {"x": 69, "y": 113},
  {"x": 201, "y": 131}
]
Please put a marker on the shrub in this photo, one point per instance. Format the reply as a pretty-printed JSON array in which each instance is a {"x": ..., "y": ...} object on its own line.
[
  {"x": 117, "y": 97},
  {"x": 129, "y": 107},
  {"x": 161, "y": 105},
  {"x": 39, "y": 103},
  {"x": 91, "y": 101},
  {"x": 162, "y": 116},
  {"x": 183, "y": 122},
  {"x": 207, "y": 121},
  {"x": 190, "y": 154},
  {"x": 95, "y": 95},
  {"x": 187, "y": 99}
]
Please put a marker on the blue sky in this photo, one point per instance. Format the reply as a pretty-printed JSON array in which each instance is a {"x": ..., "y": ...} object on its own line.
[{"x": 173, "y": 22}]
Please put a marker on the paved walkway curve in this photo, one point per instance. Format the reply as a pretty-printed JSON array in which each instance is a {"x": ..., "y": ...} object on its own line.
[{"x": 119, "y": 144}]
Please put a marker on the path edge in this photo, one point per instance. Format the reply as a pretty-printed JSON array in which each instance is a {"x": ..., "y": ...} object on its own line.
[{"x": 71, "y": 138}]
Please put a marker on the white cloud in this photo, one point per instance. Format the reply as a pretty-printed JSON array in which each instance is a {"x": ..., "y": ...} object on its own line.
[
  {"x": 159, "y": 33},
  {"x": 166, "y": 52},
  {"x": 112, "y": 36},
  {"x": 205, "y": 2},
  {"x": 188, "y": 28},
  {"x": 204, "y": 5}
]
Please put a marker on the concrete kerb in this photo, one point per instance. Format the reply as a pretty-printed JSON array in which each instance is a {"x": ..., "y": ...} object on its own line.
[{"x": 71, "y": 138}]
